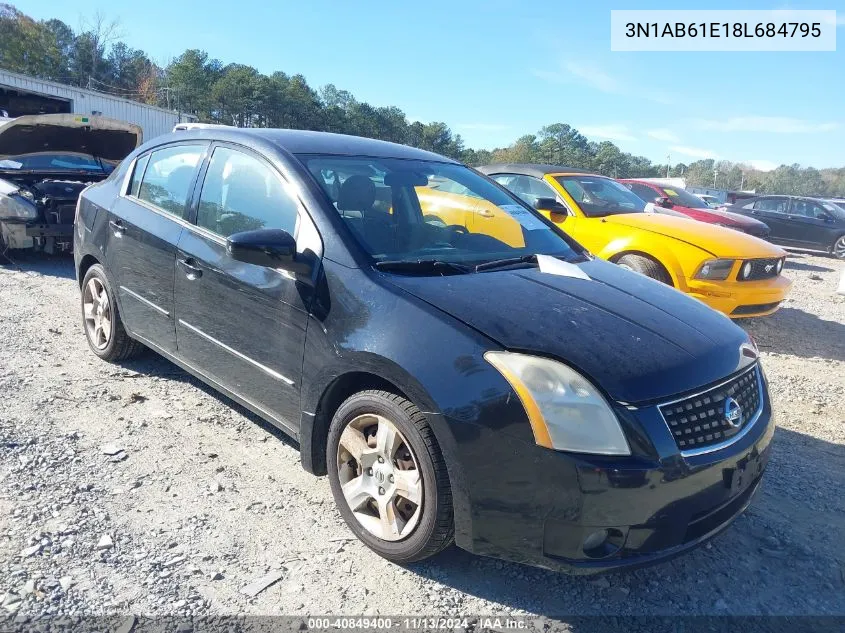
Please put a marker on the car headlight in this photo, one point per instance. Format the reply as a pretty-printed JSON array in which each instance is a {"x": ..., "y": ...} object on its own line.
[
  {"x": 566, "y": 411},
  {"x": 780, "y": 264},
  {"x": 715, "y": 269},
  {"x": 746, "y": 270},
  {"x": 17, "y": 207}
]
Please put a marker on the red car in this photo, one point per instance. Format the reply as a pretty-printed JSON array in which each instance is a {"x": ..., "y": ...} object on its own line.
[{"x": 678, "y": 199}]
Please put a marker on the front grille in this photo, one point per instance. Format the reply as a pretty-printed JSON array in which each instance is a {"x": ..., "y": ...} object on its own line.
[
  {"x": 760, "y": 269},
  {"x": 700, "y": 421},
  {"x": 756, "y": 308}
]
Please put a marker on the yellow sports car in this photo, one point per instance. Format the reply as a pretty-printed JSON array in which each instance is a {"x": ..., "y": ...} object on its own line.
[{"x": 732, "y": 272}]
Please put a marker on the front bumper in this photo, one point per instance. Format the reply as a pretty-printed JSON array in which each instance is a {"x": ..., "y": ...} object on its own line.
[
  {"x": 538, "y": 506},
  {"x": 739, "y": 299}
]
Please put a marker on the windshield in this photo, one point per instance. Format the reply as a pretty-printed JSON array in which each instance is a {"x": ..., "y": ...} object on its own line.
[
  {"x": 55, "y": 161},
  {"x": 409, "y": 210},
  {"x": 598, "y": 196},
  {"x": 684, "y": 198}
]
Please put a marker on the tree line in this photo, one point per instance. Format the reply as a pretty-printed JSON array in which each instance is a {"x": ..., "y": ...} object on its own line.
[{"x": 235, "y": 94}]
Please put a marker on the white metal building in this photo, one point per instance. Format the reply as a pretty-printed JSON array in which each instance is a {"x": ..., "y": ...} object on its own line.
[{"x": 20, "y": 95}]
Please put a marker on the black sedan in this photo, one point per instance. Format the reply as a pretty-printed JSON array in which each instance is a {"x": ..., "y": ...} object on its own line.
[
  {"x": 490, "y": 384},
  {"x": 799, "y": 222}
]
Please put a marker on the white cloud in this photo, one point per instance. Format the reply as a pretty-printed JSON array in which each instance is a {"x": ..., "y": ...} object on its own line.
[
  {"x": 550, "y": 76},
  {"x": 761, "y": 165},
  {"x": 585, "y": 73},
  {"x": 765, "y": 124},
  {"x": 694, "y": 152},
  {"x": 482, "y": 127},
  {"x": 593, "y": 76},
  {"x": 663, "y": 134}
]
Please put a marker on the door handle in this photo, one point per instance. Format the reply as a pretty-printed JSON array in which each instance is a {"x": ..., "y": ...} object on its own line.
[
  {"x": 117, "y": 227},
  {"x": 192, "y": 271}
]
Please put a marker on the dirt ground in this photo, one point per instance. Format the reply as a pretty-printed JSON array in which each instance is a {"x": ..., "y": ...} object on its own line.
[{"x": 135, "y": 489}]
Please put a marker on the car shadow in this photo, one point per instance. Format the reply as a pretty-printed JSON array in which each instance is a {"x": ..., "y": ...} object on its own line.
[
  {"x": 792, "y": 264},
  {"x": 798, "y": 333},
  {"x": 789, "y": 531},
  {"x": 60, "y": 266},
  {"x": 149, "y": 363}
]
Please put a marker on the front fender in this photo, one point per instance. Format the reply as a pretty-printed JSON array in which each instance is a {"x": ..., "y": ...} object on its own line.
[
  {"x": 365, "y": 333},
  {"x": 680, "y": 259}
]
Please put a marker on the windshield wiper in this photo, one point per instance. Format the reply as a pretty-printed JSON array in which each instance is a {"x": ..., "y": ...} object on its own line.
[
  {"x": 423, "y": 266},
  {"x": 504, "y": 263}
]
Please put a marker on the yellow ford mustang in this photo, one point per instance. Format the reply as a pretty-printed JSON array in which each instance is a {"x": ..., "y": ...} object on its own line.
[{"x": 732, "y": 272}]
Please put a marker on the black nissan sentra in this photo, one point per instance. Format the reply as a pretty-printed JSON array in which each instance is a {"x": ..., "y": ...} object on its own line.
[{"x": 460, "y": 368}]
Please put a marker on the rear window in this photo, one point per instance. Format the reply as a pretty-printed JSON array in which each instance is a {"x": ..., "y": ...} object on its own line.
[{"x": 168, "y": 177}]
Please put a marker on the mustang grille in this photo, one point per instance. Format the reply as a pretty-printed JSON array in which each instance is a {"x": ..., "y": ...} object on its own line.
[
  {"x": 701, "y": 421},
  {"x": 761, "y": 269}
]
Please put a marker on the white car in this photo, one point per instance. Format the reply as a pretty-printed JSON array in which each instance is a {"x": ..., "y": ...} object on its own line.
[{"x": 711, "y": 201}]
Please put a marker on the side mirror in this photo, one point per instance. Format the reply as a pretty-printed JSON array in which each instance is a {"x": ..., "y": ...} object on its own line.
[
  {"x": 824, "y": 215},
  {"x": 557, "y": 212},
  {"x": 272, "y": 248},
  {"x": 663, "y": 201}
]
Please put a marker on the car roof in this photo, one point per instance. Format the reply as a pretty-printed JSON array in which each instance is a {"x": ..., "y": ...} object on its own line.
[
  {"x": 530, "y": 169},
  {"x": 641, "y": 182},
  {"x": 309, "y": 142}
]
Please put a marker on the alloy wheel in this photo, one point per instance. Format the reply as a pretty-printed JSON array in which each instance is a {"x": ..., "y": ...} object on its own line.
[
  {"x": 380, "y": 477},
  {"x": 97, "y": 313},
  {"x": 839, "y": 248}
]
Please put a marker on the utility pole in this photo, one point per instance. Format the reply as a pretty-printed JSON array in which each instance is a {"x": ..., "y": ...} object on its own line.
[
  {"x": 668, "y": 162},
  {"x": 715, "y": 173}
]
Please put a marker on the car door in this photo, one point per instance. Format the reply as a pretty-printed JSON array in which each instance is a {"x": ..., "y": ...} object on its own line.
[
  {"x": 773, "y": 211},
  {"x": 811, "y": 224},
  {"x": 145, "y": 222},
  {"x": 240, "y": 324}
]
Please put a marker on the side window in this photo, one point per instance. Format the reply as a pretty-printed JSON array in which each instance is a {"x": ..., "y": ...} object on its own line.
[
  {"x": 168, "y": 177},
  {"x": 645, "y": 193},
  {"x": 777, "y": 205},
  {"x": 138, "y": 174},
  {"x": 540, "y": 189},
  {"x": 807, "y": 208},
  {"x": 242, "y": 193}
]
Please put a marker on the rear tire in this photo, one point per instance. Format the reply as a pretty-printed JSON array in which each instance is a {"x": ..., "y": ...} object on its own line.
[
  {"x": 388, "y": 477},
  {"x": 101, "y": 321},
  {"x": 645, "y": 266}
]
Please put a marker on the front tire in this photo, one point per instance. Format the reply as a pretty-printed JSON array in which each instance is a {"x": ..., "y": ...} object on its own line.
[
  {"x": 104, "y": 330},
  {"x": 645, "y": 266},
  {"x": 838, "y": 248},
  {"x": 388, "y": 477}
]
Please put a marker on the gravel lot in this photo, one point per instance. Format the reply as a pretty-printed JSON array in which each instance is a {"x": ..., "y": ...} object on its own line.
[{"x": 134, "y": 489}]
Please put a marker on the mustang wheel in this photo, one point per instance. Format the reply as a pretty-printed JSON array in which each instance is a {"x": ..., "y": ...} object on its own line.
[
  {"x": 103, "y": 328},
  {"x": 388, "y": 477},
  {"x": 838, "y": 249},
  {"x": 645, "y": 266}
]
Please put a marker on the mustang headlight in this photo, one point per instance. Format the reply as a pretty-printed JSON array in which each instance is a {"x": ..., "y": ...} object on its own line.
[
  {"x": 566, "y": 411},
  {"x": 715, "y": 269},
  {"x": 16, "y": 207}
]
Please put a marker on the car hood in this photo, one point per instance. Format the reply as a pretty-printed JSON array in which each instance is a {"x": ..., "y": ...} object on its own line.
[
  {"x": 717, "y": 240},
  {"x": 104, "y": 138},
  {"x": 638, "y": 339}
]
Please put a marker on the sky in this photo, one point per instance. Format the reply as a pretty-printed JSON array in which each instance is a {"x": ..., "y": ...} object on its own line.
[{"x": 494, "y": 70}]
